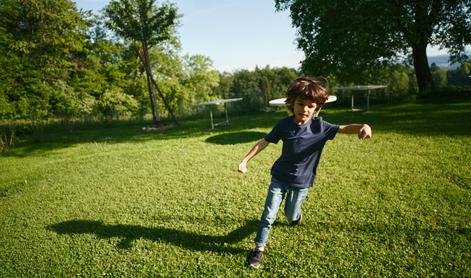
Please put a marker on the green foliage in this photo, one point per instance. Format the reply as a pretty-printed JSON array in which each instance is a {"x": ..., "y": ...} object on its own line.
[
  {"x": 114, "y": 201},
  {"x": 142, "y": 20},
  {"x": 114, "y": 102},
  {"x": 460, "y": 76},
  {"x": 41, "y": 39},
  {"x": 7, "y": 137},
  {"x": 248, "y": 86},
  {"x": 347, "y": 38},
  {"x": 109, "y": 70},
  {"x": 184, "y": 80},
  {"x": 256, "y": 87},
  {"x": 59, "y": 63},
  {"x": 6, "y": 107},
  {"x": 200, "y": 78},
  {"x": 398, "y": 80},
  {"x": 439, "y": 77},
  {"x": 145, "y": 24},
  {"x": 453, "y": 92}
]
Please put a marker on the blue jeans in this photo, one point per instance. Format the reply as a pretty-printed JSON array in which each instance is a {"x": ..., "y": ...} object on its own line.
[{"x": 276, "y": 192}]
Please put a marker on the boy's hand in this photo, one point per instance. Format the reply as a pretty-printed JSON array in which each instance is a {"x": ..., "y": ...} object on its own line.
[
  {"x": 365, "y": 132},
  {"x": 242, "y": 167}
]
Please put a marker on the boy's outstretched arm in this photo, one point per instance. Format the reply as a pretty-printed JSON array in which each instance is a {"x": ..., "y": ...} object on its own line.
[
  {"x": 363, "y": 130},
  {"x": 253, "y": 152}
]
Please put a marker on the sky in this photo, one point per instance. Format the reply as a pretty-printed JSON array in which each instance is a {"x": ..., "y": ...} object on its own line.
[{"x": 235, "y": 34}]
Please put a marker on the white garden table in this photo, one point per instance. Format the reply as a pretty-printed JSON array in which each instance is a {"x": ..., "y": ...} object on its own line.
[
  {"x": 219, "y": 102},
  {"x": 361, "y": 88}
]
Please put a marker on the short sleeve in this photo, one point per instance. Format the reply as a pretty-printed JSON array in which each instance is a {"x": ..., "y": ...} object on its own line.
[
  {"x": 330, "y": 130},
  {"x": 275, "y": 134}
]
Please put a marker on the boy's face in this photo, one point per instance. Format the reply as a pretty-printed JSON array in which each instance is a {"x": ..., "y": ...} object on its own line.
[{"x": 304, "y": 109}]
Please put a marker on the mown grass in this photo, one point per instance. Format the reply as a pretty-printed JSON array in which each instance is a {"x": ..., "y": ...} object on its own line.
[{"x": 119, "y": 202}]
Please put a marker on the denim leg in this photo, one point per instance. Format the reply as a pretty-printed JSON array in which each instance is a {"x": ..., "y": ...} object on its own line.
[
  {"x": 293, "y": 203},
  {"x": 275, "y": 195}
]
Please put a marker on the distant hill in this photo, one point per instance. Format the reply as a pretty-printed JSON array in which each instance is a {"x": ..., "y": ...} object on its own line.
[{"x": 442, "y": 61}]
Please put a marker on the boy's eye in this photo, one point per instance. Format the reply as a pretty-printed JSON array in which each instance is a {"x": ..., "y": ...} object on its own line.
[
  {"x": 308, "y": 104},
  {"x": 301, "y": 104}
]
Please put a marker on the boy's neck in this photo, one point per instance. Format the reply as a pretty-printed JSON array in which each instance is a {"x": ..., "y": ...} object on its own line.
[{"x": 299, "y": 123}]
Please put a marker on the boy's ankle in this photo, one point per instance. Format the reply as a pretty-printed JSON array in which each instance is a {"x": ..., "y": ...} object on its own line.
[{"x": 298, "y": 221}]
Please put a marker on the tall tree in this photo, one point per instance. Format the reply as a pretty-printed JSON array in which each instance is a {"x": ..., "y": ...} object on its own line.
[
  {"x": 356, "y": 35},
  {"x": 39, "y": 42},
  {"x": 147, "y": 23}
]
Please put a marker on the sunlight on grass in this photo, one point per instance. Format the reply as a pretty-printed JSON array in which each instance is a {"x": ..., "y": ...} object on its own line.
[{"x": 120, "y": 202}]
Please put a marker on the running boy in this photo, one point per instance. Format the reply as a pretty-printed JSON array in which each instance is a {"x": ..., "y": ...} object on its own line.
[{"x": 304, "y": 136}]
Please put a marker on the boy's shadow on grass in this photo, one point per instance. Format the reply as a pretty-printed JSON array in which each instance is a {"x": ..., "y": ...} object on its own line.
[{"x": 128, "y": 233}]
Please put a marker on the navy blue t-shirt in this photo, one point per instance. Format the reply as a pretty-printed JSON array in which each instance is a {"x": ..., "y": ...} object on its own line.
[{"x": 302, "y": 148}]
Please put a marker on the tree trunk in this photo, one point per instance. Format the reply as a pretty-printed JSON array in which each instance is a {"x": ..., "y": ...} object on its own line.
[
  {"x": 422, "y": 69},
  {"x": 151, "y": 81},
  {"x": 163, "y": 99},
  {"x": 153, "y": 100}
]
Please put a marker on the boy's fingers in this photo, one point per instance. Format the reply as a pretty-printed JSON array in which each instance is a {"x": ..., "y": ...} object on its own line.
[{"x": 364, "y": 133}]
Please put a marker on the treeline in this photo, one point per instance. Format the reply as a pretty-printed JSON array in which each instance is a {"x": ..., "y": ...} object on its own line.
[
  {"x": 61, "y": 63},
  {"x": 58, "y": 62},
  {"x": 453, "y": 82}
]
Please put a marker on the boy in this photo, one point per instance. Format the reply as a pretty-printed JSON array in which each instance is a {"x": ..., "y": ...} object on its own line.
[{"x": 304, "y": 137}]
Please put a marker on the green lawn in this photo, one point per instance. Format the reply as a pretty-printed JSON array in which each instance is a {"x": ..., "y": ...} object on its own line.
[{"x": 115, "y": 201}]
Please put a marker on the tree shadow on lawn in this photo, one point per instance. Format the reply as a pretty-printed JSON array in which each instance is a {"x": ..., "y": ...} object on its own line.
[
  {"x": 58, "y": 138},
  {"x": 418, "y": 119},
  {"x": 129, "y": 233},
  {"x": 232, "y": 138}
]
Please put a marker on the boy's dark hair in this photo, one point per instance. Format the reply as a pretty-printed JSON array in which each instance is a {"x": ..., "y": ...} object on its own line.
[{"x": 308, "y": 88}]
